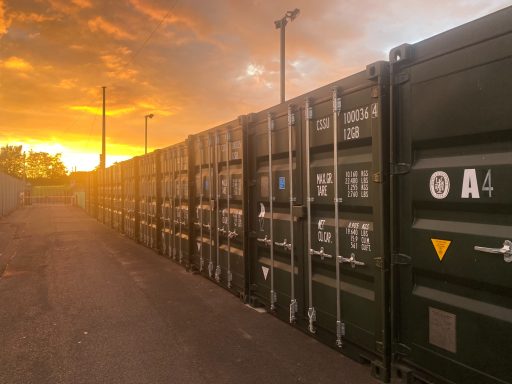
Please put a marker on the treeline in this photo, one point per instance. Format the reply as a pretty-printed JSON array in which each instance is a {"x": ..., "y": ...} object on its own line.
[{"x": 36, "y": 167}]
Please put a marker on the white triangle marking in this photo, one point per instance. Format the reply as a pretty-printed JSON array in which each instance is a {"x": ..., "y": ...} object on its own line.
[
  {"x": 198, "y": 246},
  {"x": 265, "y": 271}
]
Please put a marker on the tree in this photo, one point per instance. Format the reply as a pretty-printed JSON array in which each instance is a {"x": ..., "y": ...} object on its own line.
[
  {"x": 41, "y": 165},
  {"x": 35, "y": 166},
  {"x": 12, "y": 160}
]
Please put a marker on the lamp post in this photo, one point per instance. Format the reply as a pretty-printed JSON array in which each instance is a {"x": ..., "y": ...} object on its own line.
[
  {"x": 281, "y": 24},
  {"x": 146, "y": 132}
]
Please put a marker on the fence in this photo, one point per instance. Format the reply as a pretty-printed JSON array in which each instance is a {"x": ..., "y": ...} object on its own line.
[{"x": 11, "y": 193}]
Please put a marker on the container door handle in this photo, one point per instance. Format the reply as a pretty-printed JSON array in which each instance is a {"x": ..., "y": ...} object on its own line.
[
  {"x": 352, "y": 260},
  {"x": 265, "y": 240},
  {"x": 506, "y": 250},
  {"x": 320, "y": 253},
  {"x": 284, "y": 244}
]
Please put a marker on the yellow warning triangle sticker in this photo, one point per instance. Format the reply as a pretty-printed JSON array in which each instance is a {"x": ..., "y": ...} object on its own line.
[{"x": 441, "y": 246}]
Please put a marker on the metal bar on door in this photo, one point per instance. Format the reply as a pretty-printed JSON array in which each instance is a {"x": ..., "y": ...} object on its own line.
[
  {"x": 228, "y": 195},
  {"x": 180, "y": 170},
  {"x": 201, "y": 259},
  {"x": 210, "y": 194},
  {"x": 336, "y": 105},
  {"x": 273, "y": 295},
  {"x": 217, "y": 223},
  {"x": 311, "y": 309},
  {"x": 293, "y": 301}
]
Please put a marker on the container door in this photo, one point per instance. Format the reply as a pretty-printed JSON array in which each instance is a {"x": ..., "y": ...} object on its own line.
[
  {"x": 453, "y": 250},
  {"x": 231, "y": 193},
  {"x": 346, "y": 143},
  {"x": 276, "y": 240}
]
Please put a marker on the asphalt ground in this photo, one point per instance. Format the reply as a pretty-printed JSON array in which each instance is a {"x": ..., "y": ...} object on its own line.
[{"x": 80, "y": 303}]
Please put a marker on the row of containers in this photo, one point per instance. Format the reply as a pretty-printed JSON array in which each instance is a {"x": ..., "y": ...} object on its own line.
[{"x": 374, "y": 213}]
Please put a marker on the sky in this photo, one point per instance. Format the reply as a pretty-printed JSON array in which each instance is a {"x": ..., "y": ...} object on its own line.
[{"x": 194, "y": 64}]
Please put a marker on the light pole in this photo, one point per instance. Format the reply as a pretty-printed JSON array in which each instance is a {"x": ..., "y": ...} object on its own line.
[
  {"x": 281, "y": 24},
  {"x": 146, "y": 132}
]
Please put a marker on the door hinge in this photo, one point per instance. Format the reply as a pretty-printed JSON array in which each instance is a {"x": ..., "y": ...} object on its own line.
[
  {"x": 400, "y": 168},
  {"x": 401, "y": 78},
  {"x": 379, "y": 262},
  {"x": 401, "y": 259},
  {"x": 401, "y": 349},
  {"x": 377, "y": 177}
]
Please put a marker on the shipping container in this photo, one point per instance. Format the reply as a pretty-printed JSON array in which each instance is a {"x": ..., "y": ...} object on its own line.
[
  {"x": 91, "y": 197},
  {"x": 276, "y": 210},
  {"x": 218, "y": 204},
  {"x": 101, "y": 195},
  {"x": 175, "y": 207},
  {"x": 108, "y": 197},
  {"x": 149, "y": 193},
  {"x": 326, "y": 223},
  {"x": 452, "y": 205},
  {"x": 130, "y": 175},
  {"x": 117, "y": 198}
]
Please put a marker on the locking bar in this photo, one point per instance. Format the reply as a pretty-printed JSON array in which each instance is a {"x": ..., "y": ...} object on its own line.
[
  {"x": 308, "y": 111},
  {"x": 228, "y": 192},
  {"x": 180, "y": 203},
  {"x": 336, "y": 106},
  {"x": 174, "y": 208},
  {"x": 201, "y": 146},
  {"x": 217, "y": 193},
  {"x": 210, "y": 195},
  {"x": 290, "y": 246},
  {"x": 273, "y": 296}
]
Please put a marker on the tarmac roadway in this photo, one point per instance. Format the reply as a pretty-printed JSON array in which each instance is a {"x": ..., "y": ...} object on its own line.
[{"x": 80, "y": 303}]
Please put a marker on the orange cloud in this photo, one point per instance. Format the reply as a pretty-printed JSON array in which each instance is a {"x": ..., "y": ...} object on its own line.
[
  {"x": 100, "y": 24},
  {"x": 99, "y": 111},
  {"x": 67, "y": 83},
  {"x": 17, "y": 64},
  {"x": 32, "y": 17},
  {"x": 3, "y": 22},
  {"x": 82, "y": 3},
  {"x": 117, "y": 65},
  {"x": 69, "y": 7}
]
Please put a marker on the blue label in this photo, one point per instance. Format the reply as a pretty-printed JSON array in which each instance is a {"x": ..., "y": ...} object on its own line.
[{"x": 282, "y": 183}]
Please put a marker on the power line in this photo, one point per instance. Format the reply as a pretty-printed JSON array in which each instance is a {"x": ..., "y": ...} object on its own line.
[{"x": 153, "y": 32}]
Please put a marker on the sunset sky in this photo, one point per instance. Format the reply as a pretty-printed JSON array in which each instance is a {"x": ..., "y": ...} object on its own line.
[{"x": 192, "y": 63}]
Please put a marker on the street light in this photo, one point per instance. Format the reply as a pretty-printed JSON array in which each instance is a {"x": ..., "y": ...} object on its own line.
[
  {"x": 146, "y": 132},
  {"x": 281, "y": 24}
]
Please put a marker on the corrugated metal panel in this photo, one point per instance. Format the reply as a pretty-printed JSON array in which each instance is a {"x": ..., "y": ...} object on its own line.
[
  {"x": 174, "y": 208},
  {"x": 117, "y": 198},
  {"x": 339, "y": 214},
  {"x": 452, "y": 203},
  {"x": 11, "y": 193},
  {"x": 130, "y": 175},
  {"x": 149, "y": 192},
  {"x": 218, "y": 202}
]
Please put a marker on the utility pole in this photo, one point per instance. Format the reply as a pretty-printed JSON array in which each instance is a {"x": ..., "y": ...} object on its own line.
[
  {"x": 281, "y": 24},
  {"x": 146, "y": 132},
  {"x": 103, "y": 151}
]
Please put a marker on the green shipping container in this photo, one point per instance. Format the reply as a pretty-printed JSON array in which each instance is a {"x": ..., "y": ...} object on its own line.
[{"x": 452, "y": 205}]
